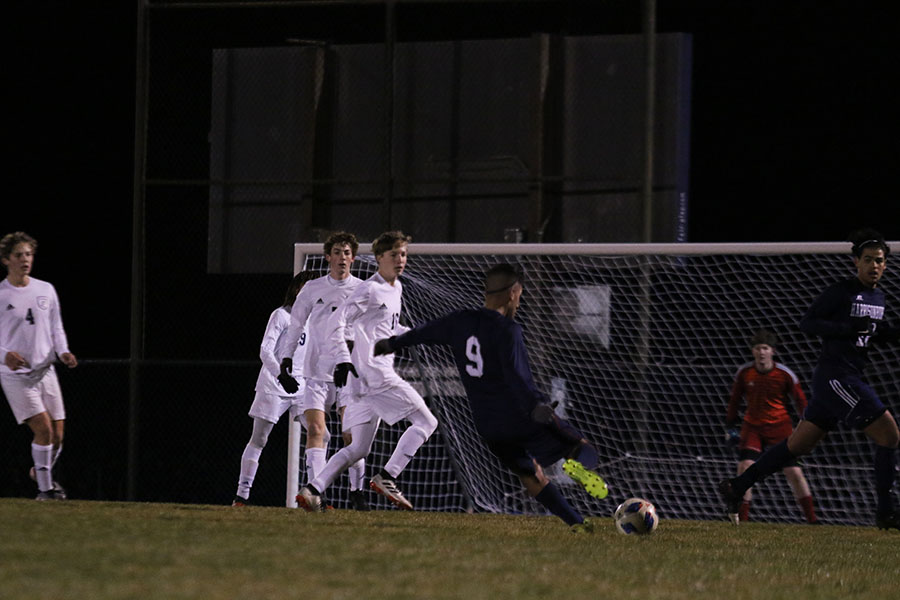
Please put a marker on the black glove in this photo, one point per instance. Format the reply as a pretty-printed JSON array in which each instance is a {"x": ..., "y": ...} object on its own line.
[
  {"x": 284, "y": 377},
  {"x": 862, "y": 325},
  {"x": 341, "y": 372},
  {"x": 543, "y": 413},
  {"x": 732, "y": 437},
  {"x": 385, "y": 346}
]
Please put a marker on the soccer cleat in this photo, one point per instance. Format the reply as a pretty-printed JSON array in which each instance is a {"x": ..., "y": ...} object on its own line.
[
  {"x": 733, "y": 518},
  {"x": 888, "y": 521},
  {"x": 358, "y": 500},
  {"x": 592, "y": 482},
  {"x": 49, "y": 495},
  {"x": 60, "y": 490},
  {"x": 240, "y": 501},
  {"x": 732, "y": 500},
  {"x": 388, "y": 488},
  {"x": 310, "y": 502},
  {"x": 585, "y": 527}
]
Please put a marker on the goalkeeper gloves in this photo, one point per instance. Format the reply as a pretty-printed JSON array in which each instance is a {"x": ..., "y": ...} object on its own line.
[
  {"x": 284, "y": 377},
  {"x": 341, "y": 372},
  {"x": 384, "y": 346},
  {"x": 732, "y": 437}
]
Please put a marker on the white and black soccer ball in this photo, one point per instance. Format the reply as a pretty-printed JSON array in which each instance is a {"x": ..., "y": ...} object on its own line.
[{"x": 636, "y": 516}]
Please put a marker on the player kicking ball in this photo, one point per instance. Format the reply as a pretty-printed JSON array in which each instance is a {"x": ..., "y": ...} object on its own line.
[{"x": 512, "y": 416}]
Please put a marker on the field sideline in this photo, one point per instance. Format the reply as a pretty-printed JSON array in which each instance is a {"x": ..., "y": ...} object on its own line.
[{"x": 98, "y": 550}]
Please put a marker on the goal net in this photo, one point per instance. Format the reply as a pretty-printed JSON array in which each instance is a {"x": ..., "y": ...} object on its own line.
[{"x": 639, "y": 344}]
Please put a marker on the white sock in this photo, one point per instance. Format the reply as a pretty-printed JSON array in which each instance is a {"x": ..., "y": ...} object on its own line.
[
  {"x": 42, "y": 456},
  {"x": 411, "y": 440},
  {"x": 249, "y": 464},
  {"x": 357, "y": 473},
  {"x": 315, "y": 462}
]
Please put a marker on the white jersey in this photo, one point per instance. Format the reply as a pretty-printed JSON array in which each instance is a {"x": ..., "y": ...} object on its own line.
[
  {"x": 371, "y": 313},
  {"x": 31, "y": 324},
  {"x": 315, "y": 303},
  {"x": 276, "y": 329}
]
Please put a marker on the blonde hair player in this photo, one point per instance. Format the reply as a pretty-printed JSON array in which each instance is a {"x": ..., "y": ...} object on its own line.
[{"x": 31, "y": 337}]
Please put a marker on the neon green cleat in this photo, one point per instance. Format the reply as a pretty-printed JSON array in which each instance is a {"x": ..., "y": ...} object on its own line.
[
  {"x": 586, "y": 527},
  {"x": 592, "y": 482}
]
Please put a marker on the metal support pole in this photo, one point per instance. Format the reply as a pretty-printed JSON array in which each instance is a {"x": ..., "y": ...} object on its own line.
[{"x": 136, "y": 351}]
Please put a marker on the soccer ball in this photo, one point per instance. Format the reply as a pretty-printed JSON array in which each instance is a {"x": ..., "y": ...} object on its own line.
[{"x": 637, "y": 516}]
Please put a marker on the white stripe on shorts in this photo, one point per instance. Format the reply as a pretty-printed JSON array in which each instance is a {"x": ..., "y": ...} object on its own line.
[{"x": 846, "y": 396}]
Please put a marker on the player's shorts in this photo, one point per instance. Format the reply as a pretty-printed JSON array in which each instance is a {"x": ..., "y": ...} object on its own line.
[
  {"x": 756, "y": 438},
  {"x": 357, "y": 413},
  {"x": 392, "y": 404},
  {"x": 529, "y": 442},
  {"x": 319, "y": 395},
  {"x": 847, "y": 399},
  {"x": 270, "y": 407},
  {"x": 28, "y": 396}
]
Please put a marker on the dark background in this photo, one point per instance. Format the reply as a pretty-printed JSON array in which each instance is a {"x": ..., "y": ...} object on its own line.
[{"x": 793, "y": 138}]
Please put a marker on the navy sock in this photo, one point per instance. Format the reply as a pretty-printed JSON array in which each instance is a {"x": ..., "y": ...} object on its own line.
[
  {"x": 771, "y": 460},
  {"x": 558, "y": 505},
  {"x": 885, "y": 468}
]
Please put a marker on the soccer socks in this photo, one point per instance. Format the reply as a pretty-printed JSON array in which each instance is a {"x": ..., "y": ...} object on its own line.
[
  {"x": 249, "y": 465},
  {"x": 411, "y": 440},
  {"x": 771, "y": 460},
  {"x": 555, "y": 502},
  {"x": 885, "y": 469},
  {"x": 744, "y": 511},
  {"x": 315, "y": 462},
  {"x": 806, "y": 503},
  {"x": 43, "y": 459},
  {"x": 357, "y": 474}
]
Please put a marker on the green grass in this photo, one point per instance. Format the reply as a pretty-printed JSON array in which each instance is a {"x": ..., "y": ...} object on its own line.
[{"x": 133, "y": 550}]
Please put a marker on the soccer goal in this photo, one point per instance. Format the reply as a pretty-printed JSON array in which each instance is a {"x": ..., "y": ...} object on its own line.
[{"x": 639, "y": 344}]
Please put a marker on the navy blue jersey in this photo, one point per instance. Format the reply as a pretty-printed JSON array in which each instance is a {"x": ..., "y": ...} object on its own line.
[
  {"x": 490, "y": 355},
  {"x": 829, "y": 316}
]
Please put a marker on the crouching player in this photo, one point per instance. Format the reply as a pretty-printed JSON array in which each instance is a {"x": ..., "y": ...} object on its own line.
[{"x": 511, "y": 415}]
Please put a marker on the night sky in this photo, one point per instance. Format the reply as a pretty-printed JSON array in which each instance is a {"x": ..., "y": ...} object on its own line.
[{"x": 794, "y": 132}]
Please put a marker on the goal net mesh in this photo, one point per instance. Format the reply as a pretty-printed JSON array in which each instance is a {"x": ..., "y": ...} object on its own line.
[{"x": 640, "y": 351}]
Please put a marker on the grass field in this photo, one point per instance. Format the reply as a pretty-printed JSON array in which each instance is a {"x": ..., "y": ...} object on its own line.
[{"x": 101, "y": 550}]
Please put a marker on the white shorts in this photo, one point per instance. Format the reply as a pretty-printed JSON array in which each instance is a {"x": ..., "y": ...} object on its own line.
[
  {"x": 28, "y": 397},
  {"x": 270, "y": 407},
  {"x": 322, "y": 395},
  {"x": 390, "y": 404}
]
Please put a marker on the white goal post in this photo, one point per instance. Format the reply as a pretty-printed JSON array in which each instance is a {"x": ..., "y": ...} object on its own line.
[{"x": 639, "y": 343}]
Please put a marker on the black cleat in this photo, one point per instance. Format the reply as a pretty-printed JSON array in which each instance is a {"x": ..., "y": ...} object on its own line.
[
  {"x": 731, "y": 498},
  {"x": 49, "y": 495},
  {"x": 240, "y": 501},
  {"x": 358, "y": 500},
  {"x": 888, "y": 521}
]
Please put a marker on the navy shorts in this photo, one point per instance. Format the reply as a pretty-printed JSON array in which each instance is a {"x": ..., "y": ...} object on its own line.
[
  {"x": 842, "y": 399},
  {"x": 529, "y": 442}
]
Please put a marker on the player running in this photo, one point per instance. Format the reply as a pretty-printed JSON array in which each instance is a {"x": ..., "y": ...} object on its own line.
[
  {"x": 510, "y": 413},
  {"x": 378, "y": 392},
  {"x": 848, "y": 316},
  {"x": 312, "y": 309},
  {"x": 768, "y": 387},
  {"x": 31, "y": 337}
]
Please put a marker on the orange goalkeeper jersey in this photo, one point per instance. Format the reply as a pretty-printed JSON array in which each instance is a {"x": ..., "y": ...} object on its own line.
[{"x": 767, "y": 395}]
